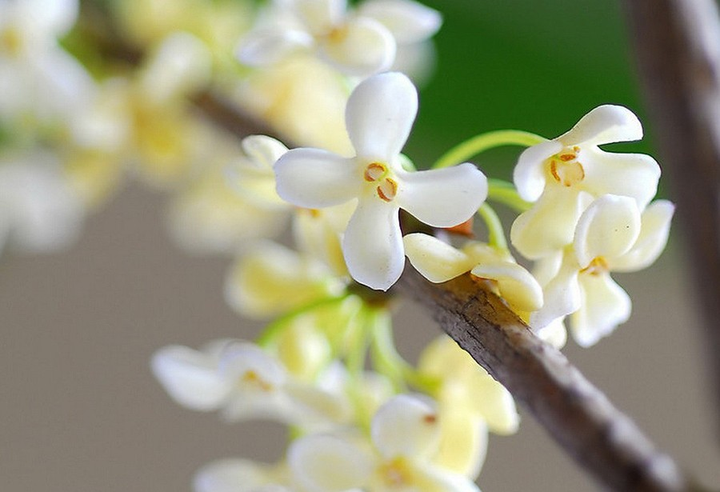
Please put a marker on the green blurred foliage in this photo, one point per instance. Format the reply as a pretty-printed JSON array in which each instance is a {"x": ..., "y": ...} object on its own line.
[{"x": 534, "y": 66}]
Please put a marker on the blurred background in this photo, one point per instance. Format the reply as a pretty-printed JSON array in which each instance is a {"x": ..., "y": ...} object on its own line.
[{"x": 80, "y": 410}]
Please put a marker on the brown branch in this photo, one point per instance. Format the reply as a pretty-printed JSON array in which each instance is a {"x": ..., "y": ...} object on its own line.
[
  {"x": 677, "y": 43},
  {"x": 574, "y": 412}
]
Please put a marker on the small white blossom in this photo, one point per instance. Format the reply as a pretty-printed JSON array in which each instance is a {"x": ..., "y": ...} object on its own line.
[
  {"x": 358, "y": 43},
  {"x": 239, "y": 475},
  {"x": 564, "y": 175},
  {"x": 379, "y": 116},
  {"x": 612, "y": 235},
  {"x": 405, "y": 436}
]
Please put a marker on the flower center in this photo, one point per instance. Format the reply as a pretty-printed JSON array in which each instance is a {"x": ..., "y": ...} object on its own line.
[
  {"x": 253, "y": 379},
  {"x": 385, "y": 186},
  {"x": 596, "y": 267},
  {"x": 565, "y": 168},
  {"x": 10, "y": 41},
  {"x": 396, "y": 473}
]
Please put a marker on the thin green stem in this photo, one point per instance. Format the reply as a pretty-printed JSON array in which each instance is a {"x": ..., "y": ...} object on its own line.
[
  {"x": 272, "y": 330},
  {"x": 504, "y": 192},
  {"x": 485, "y": 141},
  {"x": 496, "y": 233}
]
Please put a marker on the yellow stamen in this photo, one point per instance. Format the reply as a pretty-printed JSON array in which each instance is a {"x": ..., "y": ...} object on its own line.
[
  {"x": 565, "y": 168},
  {"x": 395, "y": 473},
  {"x": 374, "y": 172},
  {"x": 10, "y": 41},
  {"x": 596, "y": 267},
  {"x": 387, "y": 189},
  {"x": 253, "y": 379}
]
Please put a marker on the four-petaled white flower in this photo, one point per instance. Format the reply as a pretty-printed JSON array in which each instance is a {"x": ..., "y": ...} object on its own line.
[
  {"x": 612, "y": 236},
  {"x": 358, "y": 43},
  {"x": 405, "y": 436},
  {"x": 564, "y": 175},
  {"x": 379, "y": 116}
]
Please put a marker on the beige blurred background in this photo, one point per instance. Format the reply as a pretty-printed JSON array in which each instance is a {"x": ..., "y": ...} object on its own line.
[{"x": 80, "y": 411}]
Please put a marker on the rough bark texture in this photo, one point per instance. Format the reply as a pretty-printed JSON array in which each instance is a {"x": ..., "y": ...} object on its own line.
[
  {"x": 575, "y": 413},
  {"x": 677, "y": 43}
]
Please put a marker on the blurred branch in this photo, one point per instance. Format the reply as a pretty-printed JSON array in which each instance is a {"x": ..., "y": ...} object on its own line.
[
  {"x": 677, "y": 43},
  {"x": 580, "y": 418}
]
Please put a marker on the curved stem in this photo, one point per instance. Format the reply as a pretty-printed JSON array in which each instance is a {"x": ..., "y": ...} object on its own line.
[
  {"x": 486, "y": 141},
  {"x": 496, "y": 233},
  {"x": 504, "y": 192}
]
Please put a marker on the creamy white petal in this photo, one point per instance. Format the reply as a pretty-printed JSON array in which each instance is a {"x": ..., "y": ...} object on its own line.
[
  {"x": 605, "y": 305},
  {"x": 555, "y": 333},
  {"x": 408, "y": 21},
  {"x": 372, "y": 244},
  {"x": 633, "y": 175},
  {"x": 232, "y": 475},
  {"x": 607, "y": 229},
  {"x": 379, "y": 116},
  {"x": 443, "y": 197},
  {"x": 463, "y": 443},
  {"x": 49, "y": 19},
  {"x": 651, "y": 241},
  {"x": 325, "y": 463},
  {"x": 250, "y": 367},
  {"x": 604, "y": 124},
  {"x": 562, "y": 295},
  {"x": 550, "y": 225},
  {"x": 516, "y": 285},
  {"x": 529, "y": 173},
  {"x": 492, "y": 401},
  {"x": 320, "y": 16},
  {"x": 406, "y": 426},
  {"x": 190, "y": 377},
  {"x": 263, "y": 151},
  {"x": 436, "y": 260},
  {"x": 271, "y": 46},
  {"x": 361, "y": 47},
  {"x": 315, "y": 178}
]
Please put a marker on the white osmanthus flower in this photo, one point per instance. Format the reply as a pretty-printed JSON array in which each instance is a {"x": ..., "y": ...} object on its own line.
[
  {"x": 565, "y": 174},
  {"x": 439, "y": 262},
  {"x": 405, "y": 436},
  {"x": 243, "y": 381},
  {"x": 612, "y": 235},
  {"x": 357, "y": 43},
  {"x": 38, "y": 79},
  {"x": 379, "y": 116},
  {"x": 239, "y": 475},
  {"x": 39, "y": 210}
]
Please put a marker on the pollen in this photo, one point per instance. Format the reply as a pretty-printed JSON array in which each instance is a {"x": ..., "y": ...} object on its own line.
[
  {"x": 566, "y": 170},
  {"x": 251, "y": 378},
  {"x": 387, "y": 189},
  {"x": 375, "y": 172},
  {"x": 596, "y": 267}
]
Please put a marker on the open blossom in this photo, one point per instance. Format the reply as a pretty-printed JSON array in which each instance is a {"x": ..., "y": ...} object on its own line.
[
  {"x": 358, "y": 43},
  {"x": 244, "y": 382},
  {"x": 405, "y": 436},
  {"x": 379, "y": 116},
  {"x": 611, "y": 236},
  {"x": 564, "y": 175}
]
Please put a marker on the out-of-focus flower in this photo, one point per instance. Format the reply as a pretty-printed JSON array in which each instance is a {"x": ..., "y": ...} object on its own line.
[
  {"x": 379, "y": 116},
  {"x": 244, "y": 382},
  {"x": 39, "y": 210},
  {"x": 238, "y": 475},
  {"x": 405, "y": 436},
  {"x": 612, "y": 235},
  {"x": 564, "y": 175}
]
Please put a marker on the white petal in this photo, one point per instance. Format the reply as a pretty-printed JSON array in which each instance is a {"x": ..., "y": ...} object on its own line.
[
  {"x": 372, "y": 244},
  {"x": 51, "y": 18},
  {"x": 320, "y": 16},
  {"x": 562, "y": 295},
  {"x": 250, "y": 366},
  {"x": 633, "y": 175},
  {"x": 651, "y": 241},
  {"x": 516, "y": 285},
  {"x": 408, "y": 21},
  {"x": 263, "y": 151},
  {"x": 436, "y": 260},
  {"x": 190, "y": 377},
  {"x": 607, "y": 229},
  {"x": 604, "y": 124},
  {"x": 605, "y": 305},
  {"x": 554, "y": 334},
  {"x": 314, "y": 178},
  {"x": 550, "y": 225},
  {"x": 463, "y": 443},
  {"x": 231, "y": 475},
  {"x": 361, "y": 47},
  {"x": 443, "y": 197},
  {"x": 380, "y": 114},
  {"x": 529, "y": 173},
  {"x": 324, "y": 463},
  {"x": 406, "y": 426},
  {"x": 271, "y": 46}
]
